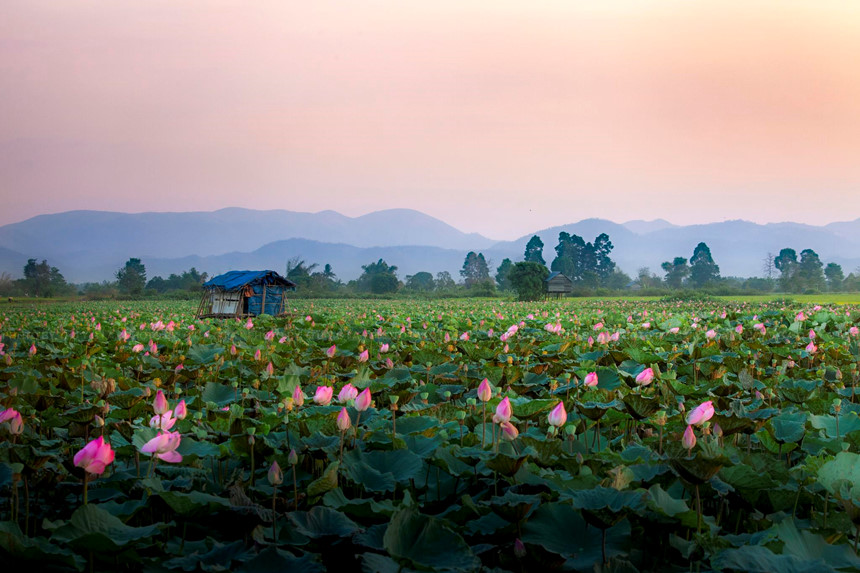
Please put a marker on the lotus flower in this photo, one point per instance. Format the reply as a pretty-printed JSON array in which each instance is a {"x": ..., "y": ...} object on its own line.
[
  {"x": 95, "y": 456},
  {"x": 811, "y": 348},
  {"x": 700, "y": 414},
  {"x": 558, "y": 416},
  {"x": 597, "y": 326},
  {"x": 348, "y": 392},
  {"x": 293, "y": 457},
  {"x": 689, "y": 438},
  {"x": 739, "y": 329},
  {"x": 362, "y": 401},
  {"x": 800, "y": 317},
  {"x": 519, "y": 548},
  {"x": 257, "y": 354},
  {"x": 270, "y": 335},
  {"x": 323, "y": 395},
  {"x": 509, "y": 431},
  {"x": 32, "y": 349},
  {"x": 180, "y": 411},
  {"x": 7, "y": 415},
  {"x": 163, "y": 446},
  {"x": 270, "y": 369},
  {"x": 603, "y": 338},
  {"x": 331, "y": 351},
  {"x": 711, "y": 334},
  {"x": 811, "y": 334},
  {"x": 275, "y": 475},
  {"x": 16, "y": 424},
  {"x": 485, "y": 392},
  {"x": 249, "y": 325},
  {"x": 384, "y": 348},
  {"x": 343, "y": 421},
  {"x": 162, "y": 422},
  {"x": 160, "y": 403},
  {"x": 363, "y": 356},
  {"x": 298, "y": 396},
  {"x": 504, "y": 411},
  {"x": 645, "y": 377},
  {"x": 854, "y": 331},
  {"x": 590, "y": 379}
]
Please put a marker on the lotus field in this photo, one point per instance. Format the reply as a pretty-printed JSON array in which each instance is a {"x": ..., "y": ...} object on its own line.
[{"x": 443, "y": 436}]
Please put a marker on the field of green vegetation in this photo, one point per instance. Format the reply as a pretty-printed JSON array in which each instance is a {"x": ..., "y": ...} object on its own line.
[{"x": 448, "y": 435}]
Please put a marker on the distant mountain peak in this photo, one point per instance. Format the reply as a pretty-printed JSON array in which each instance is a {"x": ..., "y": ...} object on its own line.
[{"x": 641, "y": 227}]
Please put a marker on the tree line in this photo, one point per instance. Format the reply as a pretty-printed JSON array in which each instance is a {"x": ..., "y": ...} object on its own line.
[{"x": 588, "y": 264}]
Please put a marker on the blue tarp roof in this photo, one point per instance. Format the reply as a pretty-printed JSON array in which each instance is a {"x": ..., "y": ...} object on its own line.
[{"x": 235, "y": 280}]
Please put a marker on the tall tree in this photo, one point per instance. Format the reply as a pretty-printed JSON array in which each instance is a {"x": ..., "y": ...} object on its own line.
[
  {"x": 810, "y": 271},
  {"x": 528, "y": 278},
  {"x": 534, "y": 251},
  {"x": 444, "y": 282},
  {"x": 835, "y": 276},
  {"x": 703, "y": 269},
  {"x": 378, "y": 278},
  {"x": 131, "y": 278},
  {"x": 502, "y": 280},
  {"x": 786, "y": 263},
  {"x": 475, "y": 269},
  {"x": 768, "y": 266},
  {"x": 422, "y": 281},
  {"x": 604, "y": 266},
  {"x": 41, "y": 279},
  {"x": 676, "y": 272}
]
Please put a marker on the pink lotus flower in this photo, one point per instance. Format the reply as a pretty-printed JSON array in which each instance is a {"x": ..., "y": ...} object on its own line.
[
  {"x": 249, "y": 325},
  {"x": 590, "y": 379},
  {"x": 180, "y": 411},
  {"x": 124, "y": 335},
  {"x": 178, "y": 368},
  {"x": 389, "y": 363},
  {"x": 323, "y": 395},
  {"x": 331, "y": 351},
  {"x": 645, "y": 377},
  {"x": 275, "y": 475},
  {"x": 164, "y": 421},
  {"x": 343, "y": 421},
  {"x": 760, "y": 327},
  {"x": 590, "y": 341},
  {"x": 739, "y": 329},
  {"x": 298, "y": 396},
  {"x": 447, "y": 337},
  {"x": 348, "y": 392},
  {"x": 485, "y": 392},
  {"x": 811, "y": 334},
  {"x": 558, "y": 415},
  {"x": 854, "y": 331},
  {"x": 504, "y": 411},
  {"x": 603, "y": 338},
  {"x": 233, "y": 350},
  {"x": 160, "y": 405},
  {"x": 519, "y": 548},
  {"x": 270, "y": 335},
  {"x": 800, "y": 317},
  {"x": 163, "y": 446},
  {"x": 689, "y": 438},
  {"x": 509, "y": 431},
  {"x": 95, "y": 456},
  {"x": 711, "y": 334},
  {"x": 811, "y": 348},
  {"x": 700, "y": 414},
  {"x": 464, "y": 336},
  {"x": 362, "y": 401},
  {"x": 7, "y": 415},
  {"x": 270, "y": 369},
  {"x": 597, "y": 326},
  {"x": 16, "y": 424},
  {"x": 363, "y": 356},
  {"x": 32, "y": 350},
  {"x": 384, "y": 348},
  {"x": 258, "y": 355},
  {"x": 615, "y": 336},
  {"x": 646, "y": 325},
  {"x": 674, "y": 330}
]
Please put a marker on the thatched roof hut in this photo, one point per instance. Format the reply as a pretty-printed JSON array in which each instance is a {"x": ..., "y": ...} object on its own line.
[{"x": 558, "y": 284}]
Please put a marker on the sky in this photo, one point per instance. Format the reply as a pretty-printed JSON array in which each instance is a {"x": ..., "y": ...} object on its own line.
[{"x": 499, "y": 117}]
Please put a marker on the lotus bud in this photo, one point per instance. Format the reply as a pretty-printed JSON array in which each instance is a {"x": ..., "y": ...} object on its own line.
[
  {"x": 688, "y": 440},
  {"x": 275, "y": 475},
  {"x": 343, "y": 421},
  {"x": 293, "y": 458}
]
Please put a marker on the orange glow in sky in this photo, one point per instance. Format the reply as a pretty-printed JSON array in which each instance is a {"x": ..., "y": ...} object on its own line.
[{"x": 498, "y": 117}]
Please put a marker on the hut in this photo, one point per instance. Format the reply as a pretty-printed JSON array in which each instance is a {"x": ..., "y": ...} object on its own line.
[
  {"x": 244, "y": 293},
  {"x": 559, "y": 285}
]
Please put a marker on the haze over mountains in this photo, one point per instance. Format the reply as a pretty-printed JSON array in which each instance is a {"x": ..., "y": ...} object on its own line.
[{"x": 91, "y": 245}]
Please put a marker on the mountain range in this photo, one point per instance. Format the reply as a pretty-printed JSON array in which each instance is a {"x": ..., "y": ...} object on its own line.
[{"x": 89, "y": 246}]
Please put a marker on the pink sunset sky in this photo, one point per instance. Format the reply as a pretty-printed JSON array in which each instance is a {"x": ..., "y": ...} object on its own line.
[{"x": 499, "y": 117}]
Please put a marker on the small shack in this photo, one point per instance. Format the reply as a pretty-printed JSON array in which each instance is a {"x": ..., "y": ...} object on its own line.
[
  {"x": 244, "y": 293},
  {"x": 559, "y": 285}
]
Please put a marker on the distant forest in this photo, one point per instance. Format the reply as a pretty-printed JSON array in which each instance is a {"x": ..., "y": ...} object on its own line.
[{"x": 588, "y": 265}]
